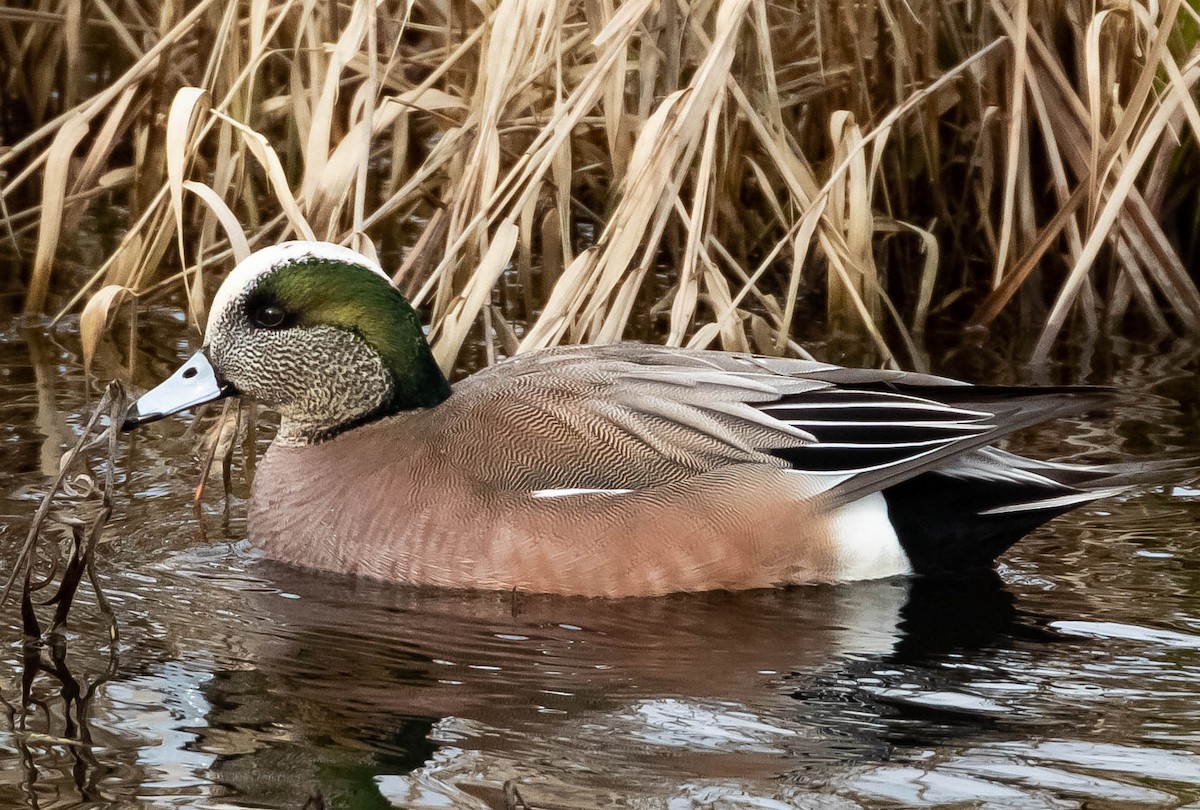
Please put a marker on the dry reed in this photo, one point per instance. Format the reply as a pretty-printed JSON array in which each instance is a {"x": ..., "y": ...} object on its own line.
[{"x": 713, "y": 171}]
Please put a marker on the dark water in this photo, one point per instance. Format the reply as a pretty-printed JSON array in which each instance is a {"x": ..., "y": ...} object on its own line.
[{"x": 1070, "y": 679}]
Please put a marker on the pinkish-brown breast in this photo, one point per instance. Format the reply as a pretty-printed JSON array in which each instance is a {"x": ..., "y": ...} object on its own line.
[{"x": 367, "y": 504}]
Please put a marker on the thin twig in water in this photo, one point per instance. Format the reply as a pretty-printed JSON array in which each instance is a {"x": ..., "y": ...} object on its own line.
[
  {"x": 116, "y": 400},
  {"x": 513, "y": 800},
  {"x": 214, "y": 438},
  {"x": 85, "y": 536}
]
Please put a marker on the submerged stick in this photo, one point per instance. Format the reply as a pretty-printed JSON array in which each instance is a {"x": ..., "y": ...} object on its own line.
[{"x": 115, "y": 403}]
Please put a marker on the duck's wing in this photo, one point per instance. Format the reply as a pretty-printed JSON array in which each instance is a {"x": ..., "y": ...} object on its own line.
[
  {"x": 879, "y": 434},
  {"x": 629, "y": 418}
]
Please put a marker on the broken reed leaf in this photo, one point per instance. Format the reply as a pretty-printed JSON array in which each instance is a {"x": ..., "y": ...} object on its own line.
[
  {"x": 95, "y": 318},
  {"x": 29, "y": 621},
  {"x": 267, "y": 157},
  {"x": 71, "y": 577},
  {"x": 54, "y": 190},
  {"x": 228, "y": 221},
  {"x": 220, "y": 441},
  {"x": 187, "y": 112},
  {"x": 114, "y": 403}
]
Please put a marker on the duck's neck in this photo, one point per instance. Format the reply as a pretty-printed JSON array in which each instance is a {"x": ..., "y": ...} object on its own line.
[
  {"x": 368, "y": 395},
  {"x": 416, "y": 381},
  {"x": 414, "y": 378},
  {"x": 397, "y": 397},
  {"x": 376, "y": 360}
]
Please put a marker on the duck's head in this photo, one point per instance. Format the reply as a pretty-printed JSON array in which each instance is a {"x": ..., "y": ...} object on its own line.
[{"x": 313, "y": 330}]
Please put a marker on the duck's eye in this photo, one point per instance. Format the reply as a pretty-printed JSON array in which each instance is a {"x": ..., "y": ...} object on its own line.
[{"x": 268, "y": 316}]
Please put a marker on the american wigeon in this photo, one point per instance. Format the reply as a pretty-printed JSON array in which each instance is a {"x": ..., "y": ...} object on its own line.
[{"x": 623, "y": 470}]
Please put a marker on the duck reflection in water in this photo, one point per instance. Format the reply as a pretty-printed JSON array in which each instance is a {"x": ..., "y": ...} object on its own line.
[{"x": 350, "y": 682}]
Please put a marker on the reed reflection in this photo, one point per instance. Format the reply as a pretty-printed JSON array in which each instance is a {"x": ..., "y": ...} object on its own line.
[
  {"x": 52, "y": 716},
  {"x": 393, "y": 676}
]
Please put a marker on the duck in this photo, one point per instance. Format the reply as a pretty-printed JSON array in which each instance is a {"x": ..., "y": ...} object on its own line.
[{"x": 623, "y": 470}]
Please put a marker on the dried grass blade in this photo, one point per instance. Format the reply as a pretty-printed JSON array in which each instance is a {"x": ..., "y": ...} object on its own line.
[
  {"x": 932, "y": 256},
  {"x": 119, "y": 28},
  {"x": 1117, "y": 198},
  {"x": 1094, "y": 81},
  {"x": 118, "y": 120},
  {"x": 95, "y": 318},
  {"x": 339, "y": 177},
  {"x": 1016, "y": 124},
  {"x": 997, "y": 299},
  {"x": 316, "y": 147},
  {"x": 684, "y": 306},
  {"x": 187, "y": 110},
  {"x": 800, "y": 247},
  {"x": 54, "y": 189},
  {"x": 229, "y": 221},
  {"x": 263, "y": 152},
  {"x": 465, "y": 308},
  {"x": 733, "y": 336}
]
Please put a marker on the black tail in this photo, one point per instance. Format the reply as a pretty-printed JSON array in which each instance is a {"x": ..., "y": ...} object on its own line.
[{"x": 962, "y": 517}]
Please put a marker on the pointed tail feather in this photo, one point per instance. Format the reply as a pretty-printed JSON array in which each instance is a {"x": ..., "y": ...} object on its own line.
[{"x": 962, "y": 517}]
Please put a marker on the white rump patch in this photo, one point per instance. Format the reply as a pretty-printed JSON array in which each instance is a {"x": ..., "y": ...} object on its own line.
[
  {"x": 566, "y": 493},
  {"x": 866, "y": 542}
]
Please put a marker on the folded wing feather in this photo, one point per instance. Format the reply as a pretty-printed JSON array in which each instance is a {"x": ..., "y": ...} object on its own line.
[{"x": 630, "y": 418}]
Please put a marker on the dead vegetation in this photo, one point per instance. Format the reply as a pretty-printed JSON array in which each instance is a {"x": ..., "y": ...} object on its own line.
[
  {"x": 80, "y": 507},
  {"x": 723, "y": 170},
  {"x": 76, "y": 507}
]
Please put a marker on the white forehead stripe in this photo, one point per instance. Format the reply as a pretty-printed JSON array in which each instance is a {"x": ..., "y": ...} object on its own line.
[{"x": 264, "y": 261}]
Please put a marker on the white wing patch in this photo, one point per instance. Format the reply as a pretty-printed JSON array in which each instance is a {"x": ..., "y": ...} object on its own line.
[{"x": 567, "y": 493}]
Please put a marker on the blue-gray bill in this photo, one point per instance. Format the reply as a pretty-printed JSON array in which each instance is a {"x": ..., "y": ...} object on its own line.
[{"x": 194, "y": 383}]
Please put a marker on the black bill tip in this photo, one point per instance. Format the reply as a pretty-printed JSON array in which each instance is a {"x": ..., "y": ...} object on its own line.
[
  {"x": 135, "y": 418},
  {"x": 194, "y": 383}
]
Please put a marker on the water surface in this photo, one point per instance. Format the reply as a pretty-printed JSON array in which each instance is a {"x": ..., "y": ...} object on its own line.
[{"x": 1070, "y": 679}]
